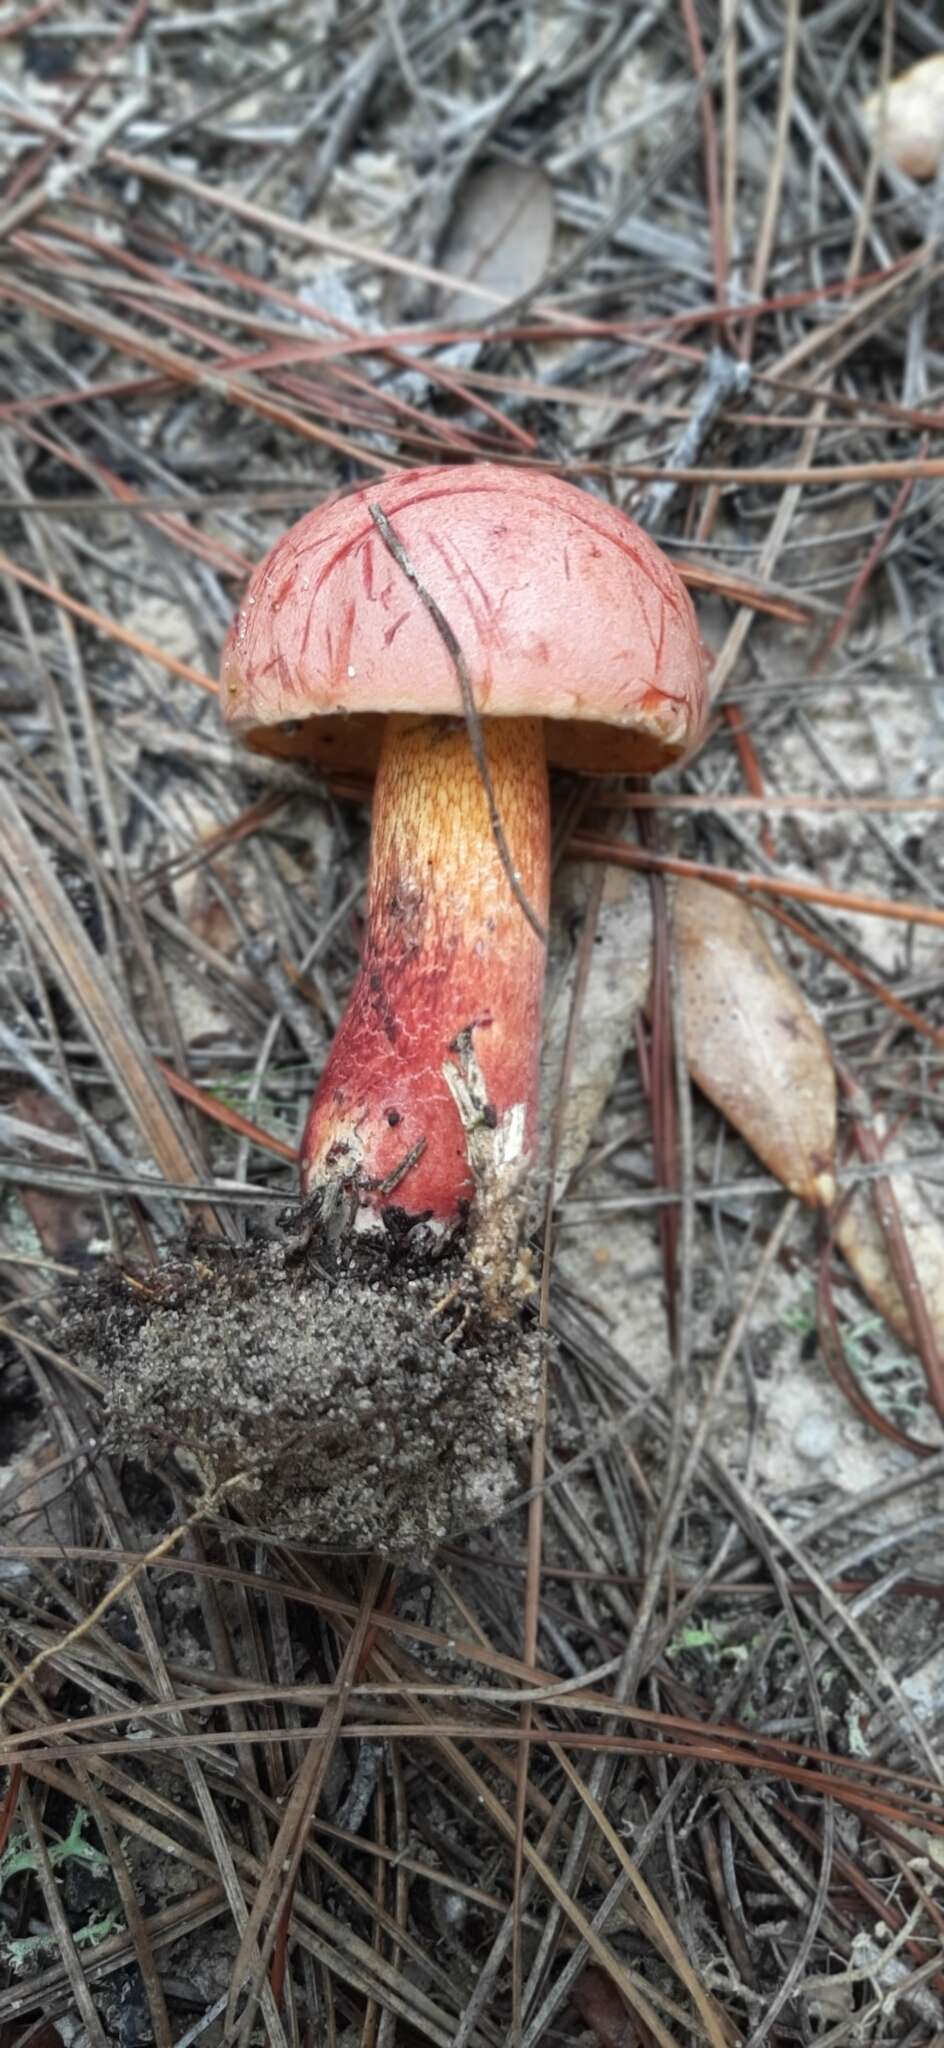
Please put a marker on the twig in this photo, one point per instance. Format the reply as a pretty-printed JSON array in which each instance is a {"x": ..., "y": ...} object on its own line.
[
  {"x": 723, "y": 379},
  {"x": 589, "y": 846}
]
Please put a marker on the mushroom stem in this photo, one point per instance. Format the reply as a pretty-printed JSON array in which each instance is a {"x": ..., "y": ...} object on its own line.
[{"x": 451, "y": 969}]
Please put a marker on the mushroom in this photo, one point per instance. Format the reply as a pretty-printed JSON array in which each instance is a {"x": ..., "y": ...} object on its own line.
[
  {"x": 360, "y": 641},
  {"x": 908, "y": 118}
]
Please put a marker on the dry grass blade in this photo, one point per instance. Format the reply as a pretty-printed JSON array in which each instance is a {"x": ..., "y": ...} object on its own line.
[
  {"x": 830, "y": 1336},
  {"x": 532, "y": 1599},
  {"x": 898, "y": 1258},
  {"x": 84, "y": 2002},
  {"x": 590, "y": 846},
  {"x": 222, "y": 1113},
  {"x": 110, "y": 1599},
  {"x": 275, "y": 1890},
  {"x": 704, "y": 2005},
  {"x": 69, "y": 957},
  {"x": 125, "y": 635},
  {"x": 134, "y": 1918},
  {"x": 169, "y": 362},
  {"x": 181, "y": 1921}
]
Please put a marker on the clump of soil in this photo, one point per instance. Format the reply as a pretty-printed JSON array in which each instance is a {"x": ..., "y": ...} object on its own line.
[{"x": 370, "y": 1399}]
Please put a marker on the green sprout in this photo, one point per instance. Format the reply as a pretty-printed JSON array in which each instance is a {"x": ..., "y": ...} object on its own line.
[
  {"x": 26, "y": 1953},
  {"x": 701, "y": 1636},
  {"x": 19, "y": 1856}
]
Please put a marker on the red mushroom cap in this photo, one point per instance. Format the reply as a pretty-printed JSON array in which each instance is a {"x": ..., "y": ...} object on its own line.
[{"x": 563, "y": 609}]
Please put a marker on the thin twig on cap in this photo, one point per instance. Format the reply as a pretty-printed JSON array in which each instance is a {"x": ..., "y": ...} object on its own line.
[{"x": 473, "y": 723}]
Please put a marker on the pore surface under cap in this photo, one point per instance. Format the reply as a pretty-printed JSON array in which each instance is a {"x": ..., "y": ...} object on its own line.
[{"x": 562, "y": 607}]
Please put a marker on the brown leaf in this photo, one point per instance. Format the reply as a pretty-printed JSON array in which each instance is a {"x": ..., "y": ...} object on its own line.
[
  {"x": 602, "y": 2010},
  {"x": 752, "y": 1042},
  {"x": 64, "y": 1224},
  {"x": 861, "y": 1239},
  {"x": 500, "y": 235},
  {"x": 616, "y": 986}
]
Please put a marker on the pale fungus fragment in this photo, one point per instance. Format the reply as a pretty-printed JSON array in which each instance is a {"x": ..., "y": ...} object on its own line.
[{"x": 908, "y": 118}]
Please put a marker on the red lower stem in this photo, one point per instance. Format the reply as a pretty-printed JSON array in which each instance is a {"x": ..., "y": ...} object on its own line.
[{"x": 448, "y": 952}]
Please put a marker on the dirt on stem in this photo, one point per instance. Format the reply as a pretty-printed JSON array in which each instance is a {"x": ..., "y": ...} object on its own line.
[{"x": 368, "y": 1391}]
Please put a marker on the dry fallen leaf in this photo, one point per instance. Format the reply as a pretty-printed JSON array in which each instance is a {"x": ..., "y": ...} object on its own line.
[
  {"x": 64, "y": 1224},
  {"x": 500, "y": 235},
  {"x": 618, "y": 977},
  {"x": 602, "y": 2010},
  {"x": 756, "y": 1050},
  {"x": 910, "y": 124},
  {"x": 860, "y": 1238},
  {"x": 752, "y": 1042}
]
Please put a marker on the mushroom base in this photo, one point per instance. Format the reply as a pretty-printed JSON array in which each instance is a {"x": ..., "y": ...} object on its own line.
[
  {"x": 369, "y": 1402},
  {"x": 452, "y": 976}
]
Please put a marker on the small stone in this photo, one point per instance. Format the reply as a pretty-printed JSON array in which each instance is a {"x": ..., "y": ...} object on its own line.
[{"x": 816, "y": 1437}]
